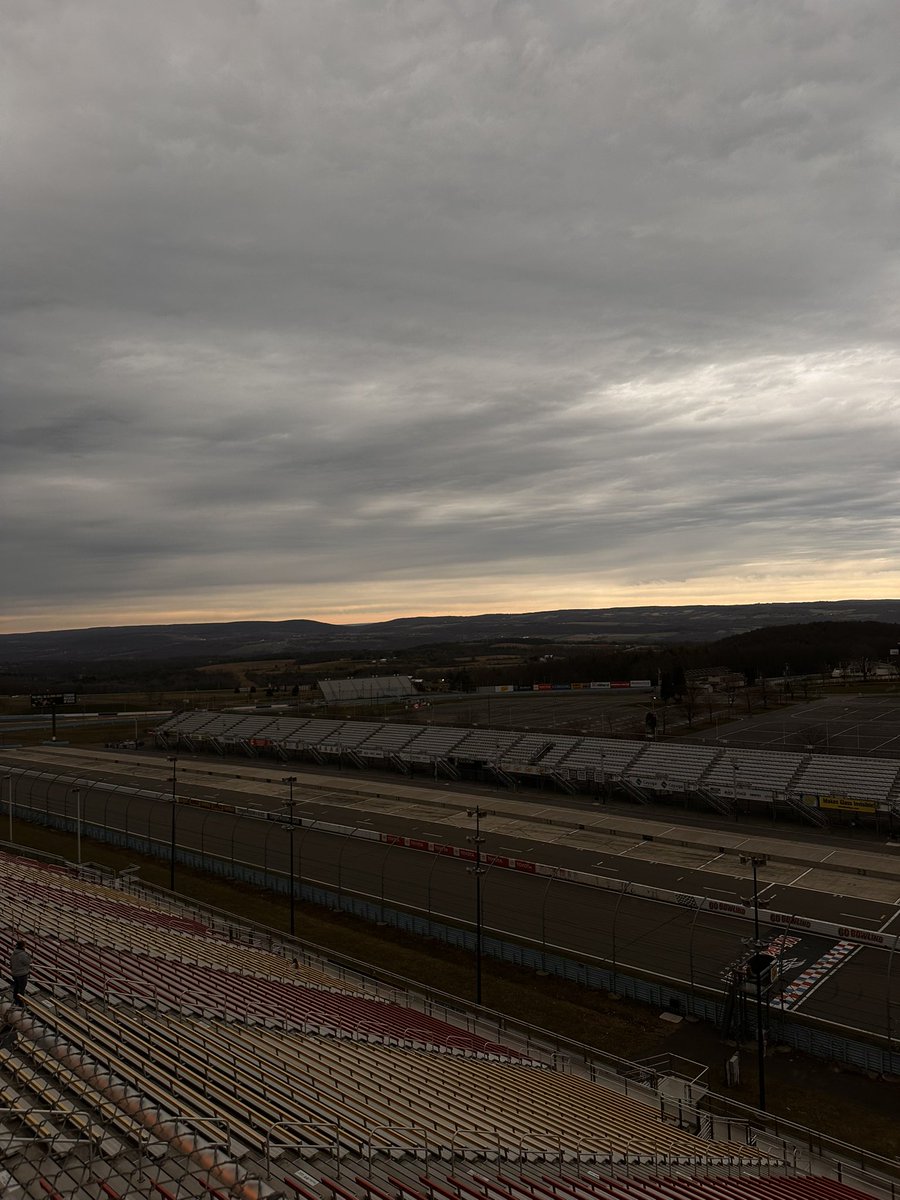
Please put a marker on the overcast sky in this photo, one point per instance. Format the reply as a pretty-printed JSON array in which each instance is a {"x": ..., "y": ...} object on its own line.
[{"x": 353, "y": 310}]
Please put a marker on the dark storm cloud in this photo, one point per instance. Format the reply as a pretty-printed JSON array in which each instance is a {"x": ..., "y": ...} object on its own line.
[{"x": 319, "y": 308}]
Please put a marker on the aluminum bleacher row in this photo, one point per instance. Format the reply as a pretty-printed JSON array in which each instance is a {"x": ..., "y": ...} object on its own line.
[
  {"x": 156, "y": 1056},
  {"x": 478, "y": 1186},
  {"x": 651, "y": 767}
]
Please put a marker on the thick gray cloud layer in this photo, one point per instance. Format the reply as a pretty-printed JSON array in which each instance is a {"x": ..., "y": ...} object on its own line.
[{"x": 357, "y": 309}]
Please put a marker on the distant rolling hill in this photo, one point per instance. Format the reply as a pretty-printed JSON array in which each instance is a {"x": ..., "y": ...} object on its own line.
[{"x": 260, "y": 639}]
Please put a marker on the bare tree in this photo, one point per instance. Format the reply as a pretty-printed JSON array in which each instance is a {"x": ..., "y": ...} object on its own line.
[{"x": 690, "y": 698}]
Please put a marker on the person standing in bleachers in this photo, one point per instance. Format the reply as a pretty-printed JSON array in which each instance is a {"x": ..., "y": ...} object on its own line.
[{"x": 19, "y": 969}]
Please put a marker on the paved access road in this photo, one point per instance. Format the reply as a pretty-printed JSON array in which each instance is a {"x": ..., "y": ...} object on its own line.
[{"x": 810, "y": 875}]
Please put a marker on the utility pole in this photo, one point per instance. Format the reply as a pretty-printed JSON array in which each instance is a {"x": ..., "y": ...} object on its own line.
[
  {"x": 758, "y": 964},
  {"x": 78, "y": 824},
  {"x": 290, "y": 780},
  {"x": 174, "y": 761},
  {"x": 477, "y": 871}
]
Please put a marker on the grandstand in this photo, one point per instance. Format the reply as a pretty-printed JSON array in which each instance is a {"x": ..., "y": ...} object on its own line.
[
  {"x": 808, "y": 785},
  {"x": 367, "y": 691},
  {"x": 163, "y": 1050}
]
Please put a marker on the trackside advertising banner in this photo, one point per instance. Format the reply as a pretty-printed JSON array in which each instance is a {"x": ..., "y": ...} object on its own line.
[
  {"x": 501, "y": 688},
  {"x": 787, "y": 921}
]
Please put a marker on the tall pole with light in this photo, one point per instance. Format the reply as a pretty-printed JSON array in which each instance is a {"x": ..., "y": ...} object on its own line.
[
  {"x": 78, "y": 825},
  {"x": 174, "y": 761},
  {"x": 734, "y": 778},
  {"x": 755, "y": 861},
  {"x": 478, "y": 871},
  {"x": 290, "y": 780},
  {"x": 9, "y": 784}
]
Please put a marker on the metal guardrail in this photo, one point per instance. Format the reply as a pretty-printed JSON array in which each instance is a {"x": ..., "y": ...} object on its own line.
[
  {"x": 852, "y": 1044},
  {"x": 851, "y": 1158}
]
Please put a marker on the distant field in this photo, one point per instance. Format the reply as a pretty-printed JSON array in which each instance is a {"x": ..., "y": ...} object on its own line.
[
  {"x": 239, "y": 670},
  {"x": 246, "y": 672},
  {"x": 268, "y": 664}
]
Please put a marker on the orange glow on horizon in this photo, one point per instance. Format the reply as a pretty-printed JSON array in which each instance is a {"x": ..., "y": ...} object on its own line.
[{"x": 446, "y": 602}]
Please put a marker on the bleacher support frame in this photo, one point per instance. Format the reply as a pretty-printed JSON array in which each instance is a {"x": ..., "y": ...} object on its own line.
[
  {"x": 813, "y": 815},
  {"x": 501, "y": 776},
  {"x": 565, "y": 785},
  {"x": 636, "y": 793},
  {"x": 726, "y": 807}
]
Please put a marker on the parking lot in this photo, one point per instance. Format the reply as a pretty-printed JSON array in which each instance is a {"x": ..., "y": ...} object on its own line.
[
  {"x": 598, "y": 714},
  {"x": 847, "y": 725},
  {"x": 852, "y": 725}
]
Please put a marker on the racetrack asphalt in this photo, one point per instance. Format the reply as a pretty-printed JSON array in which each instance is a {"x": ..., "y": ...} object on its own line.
[{"x": 809, "y": 873}]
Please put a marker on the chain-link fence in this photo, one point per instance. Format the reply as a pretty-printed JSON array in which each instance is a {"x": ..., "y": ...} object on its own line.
[{"x": 674, "y": 956}]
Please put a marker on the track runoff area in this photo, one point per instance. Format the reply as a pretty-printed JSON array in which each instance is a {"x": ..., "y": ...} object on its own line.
[{"x": 642, "y": 894}]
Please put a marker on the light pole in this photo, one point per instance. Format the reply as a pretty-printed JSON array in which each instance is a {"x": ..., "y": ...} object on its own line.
[
  {"x": 478, "y": 871},
  {"x": 174, "y": 761},
  {"x": 290, "y": 780},
  {"x": 9, "y": 783},
  {"x": 757, "y": 964},
  {"x": 78, "y": 824},
  {"x": 734, "y": 775}
]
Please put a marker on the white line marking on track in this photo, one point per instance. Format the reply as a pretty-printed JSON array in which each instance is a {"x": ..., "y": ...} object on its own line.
[{"x": 794, "y": 882}]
